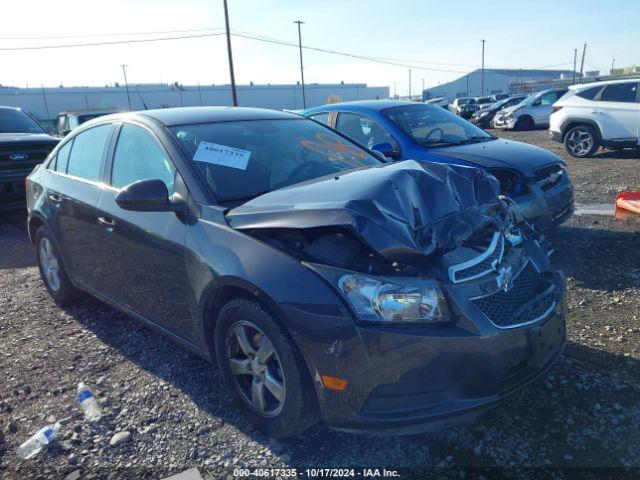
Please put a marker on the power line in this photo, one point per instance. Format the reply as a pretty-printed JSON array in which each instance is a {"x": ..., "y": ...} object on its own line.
[
  {"x": 119, "y": 34},
  {"x": 115, "y": 42}
]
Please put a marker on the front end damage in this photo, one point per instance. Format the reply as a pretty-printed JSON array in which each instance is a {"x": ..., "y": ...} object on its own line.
[{"x": 497, "y": 307}]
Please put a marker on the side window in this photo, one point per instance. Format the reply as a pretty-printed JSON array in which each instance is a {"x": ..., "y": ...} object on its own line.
[
  {"x": 549, "y": 98},
  {"x": 85, "y": 160},
  {"x": 363, "y": 130},
  {"x": 620, "y": 92},
  {"x": 63, "y": 157},
  {"x": 589, "y": 93},
  {"x": 138, "y": 156},
  {"x": 321, "y": 117}
]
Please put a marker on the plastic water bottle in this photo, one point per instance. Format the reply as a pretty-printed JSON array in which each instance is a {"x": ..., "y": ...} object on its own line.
[
  {"x": 38, "y": 441},
  {"x": 88, "y": 403}
]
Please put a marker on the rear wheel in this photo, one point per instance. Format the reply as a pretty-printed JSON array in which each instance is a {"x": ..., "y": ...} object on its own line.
[
  {"x": 581, "y": 141},
  {"x": 52, "y": 270},
  {"x": 264, "y": 370}
]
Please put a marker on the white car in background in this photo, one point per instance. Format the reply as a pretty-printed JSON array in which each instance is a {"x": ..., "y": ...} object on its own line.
[
  {"x": 598, "y": 114},
  {"x": 438, "y": 102},
  {"x": 533, "y": 112}
]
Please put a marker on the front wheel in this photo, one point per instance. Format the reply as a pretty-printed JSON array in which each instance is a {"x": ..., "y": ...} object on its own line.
[
  {"x": 524, "y": 123},
  {"x": 581, "y": 141},
  {"x": 264, "y": 370}
]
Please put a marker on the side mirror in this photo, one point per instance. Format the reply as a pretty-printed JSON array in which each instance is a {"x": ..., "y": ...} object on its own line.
[
  {"x": 145, "y": 196},
  {"x": 386, "y": 149}
]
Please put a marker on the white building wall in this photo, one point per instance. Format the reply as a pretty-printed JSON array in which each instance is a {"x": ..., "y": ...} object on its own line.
[{"x": 45, "y": 104}]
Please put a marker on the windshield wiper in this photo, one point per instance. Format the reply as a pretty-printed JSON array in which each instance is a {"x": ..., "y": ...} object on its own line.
[
  {"x": 477, "y": 139},
  {"x": 439, "y": 142}
]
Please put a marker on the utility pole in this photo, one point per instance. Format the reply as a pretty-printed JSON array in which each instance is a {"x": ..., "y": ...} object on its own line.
[
  {"x": 126, "y": 84},
  {"x": 482, "y": 81},
  {"x": 395, "y": 93},
  {"x": 612, "y": 64},
  {"x": 200, "y": 94},
  {"x": 44, "y": 99},
  {"x": 422, "y": 92},
  {"x": 575, "y": 58},
  {"x": 467, "y": 84},
  {"x": 584, "y": 52},
  {"x": 409, "y": 84},
  {"x": 234, "y": 94},
  {"x": 304, "y": 98}
]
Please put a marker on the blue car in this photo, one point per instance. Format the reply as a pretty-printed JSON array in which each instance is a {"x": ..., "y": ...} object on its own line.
[{"x": 534, "y": 178}]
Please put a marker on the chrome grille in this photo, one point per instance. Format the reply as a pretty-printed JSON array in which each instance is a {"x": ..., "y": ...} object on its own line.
[
  {"x": 550, "y": 176},
  {"x": 529, "y": 299},
  {"x": 482, "y": 265}
]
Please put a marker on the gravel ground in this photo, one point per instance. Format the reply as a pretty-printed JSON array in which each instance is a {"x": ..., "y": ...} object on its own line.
[{"x": 170, "y": 412}]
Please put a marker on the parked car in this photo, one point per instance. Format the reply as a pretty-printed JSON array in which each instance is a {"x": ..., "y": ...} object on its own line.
[
  {"x": 500, "y": 96},
  {"x": 534, "y": 178},
  {"x": 438, "y": 102},
  {"x": 24, "y": 143},
  {"x": 484, "y": 118},
  {"x": 484, "y": 102},
  {"x": 69, "y": 120},
  {"x": 465, "y": 107},
  {"x": 598, "y": 114},
  {"x": 328, "y": 284},
  {"x": 533, "y": 112}
]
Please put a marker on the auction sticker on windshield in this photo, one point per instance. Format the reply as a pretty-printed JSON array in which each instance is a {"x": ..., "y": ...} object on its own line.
[{"x": 222, "y": 155}]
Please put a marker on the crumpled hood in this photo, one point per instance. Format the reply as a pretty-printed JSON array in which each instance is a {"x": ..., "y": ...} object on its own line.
[
  {"x": 405, "y": 211},
  {"x": 501, "y": 153}
]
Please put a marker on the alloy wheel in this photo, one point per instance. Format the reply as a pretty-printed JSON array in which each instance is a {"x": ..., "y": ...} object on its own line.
[
  {"x": 579, "y": 142},
  {"x": 256, "y": 369},
  {"x": 50, "y": 264}
]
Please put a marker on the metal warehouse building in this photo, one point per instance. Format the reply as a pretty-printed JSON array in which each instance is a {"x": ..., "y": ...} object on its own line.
[
  {"x": 45, "y": 103},
  {"x": 498, "y": 81}
]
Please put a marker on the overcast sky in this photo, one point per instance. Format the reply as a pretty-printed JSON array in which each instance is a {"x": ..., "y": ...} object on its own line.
[{"x": 440, "y": 35}]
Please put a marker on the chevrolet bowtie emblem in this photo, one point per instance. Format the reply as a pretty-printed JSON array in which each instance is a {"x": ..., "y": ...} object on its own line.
[{"x": 505, "y": 278}]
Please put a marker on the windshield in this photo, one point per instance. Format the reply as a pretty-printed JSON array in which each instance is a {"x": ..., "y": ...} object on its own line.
[
  {"x": 484, "y": 100},
  {"x": 16, "y": 121},
  {"x": 434, "y": 126},
  {"x": 241, "y": 160}
]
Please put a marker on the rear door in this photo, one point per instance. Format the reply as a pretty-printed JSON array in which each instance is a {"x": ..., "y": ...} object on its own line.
[
  {"x": 542, "y": 111},
  {"x": 72, "y": 195},
  {"x": 143, "y": 253},
  {"x": 618, "y": 111}
]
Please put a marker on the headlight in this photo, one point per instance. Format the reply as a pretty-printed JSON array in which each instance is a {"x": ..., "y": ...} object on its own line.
[
  {"x": 483, "y": 114},
  {"x": 385, "y": 301},
  {"x": 511, "y": 183}
]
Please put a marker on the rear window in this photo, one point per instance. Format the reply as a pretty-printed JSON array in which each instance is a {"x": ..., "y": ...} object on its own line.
[
  {"x": 241, "y": 160},
  {"x": 589, "y": 93}
]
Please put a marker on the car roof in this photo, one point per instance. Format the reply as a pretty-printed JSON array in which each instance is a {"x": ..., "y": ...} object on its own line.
[
  {"x": 192, "y": 115},
  {"x": 581, "y": 86},
  {"x": 371, "y": 105},
  {"x": 6, "y": 107},
  {"x": 87, "y": 111}
]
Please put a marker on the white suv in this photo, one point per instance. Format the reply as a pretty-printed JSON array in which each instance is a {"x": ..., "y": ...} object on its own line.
[{"x": 598, "y": 114}]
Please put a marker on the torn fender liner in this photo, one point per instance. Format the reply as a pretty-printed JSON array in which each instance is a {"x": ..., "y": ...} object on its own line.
[{"x": 404, "y": 211}]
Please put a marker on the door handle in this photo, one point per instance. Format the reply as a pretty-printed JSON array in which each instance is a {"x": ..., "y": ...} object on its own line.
[
  {"x": 107, "y": 223},
  {"x": 55, "y": 198},
  {"x": 595, "y": 112}
]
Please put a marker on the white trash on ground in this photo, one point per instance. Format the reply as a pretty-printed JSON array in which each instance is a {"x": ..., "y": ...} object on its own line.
[
  {"x": 38, "y": 441},
  {"x": 88, "y": 403}
]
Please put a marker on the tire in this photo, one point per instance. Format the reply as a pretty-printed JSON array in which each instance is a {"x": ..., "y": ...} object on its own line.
[
  {"x": 524, "y": 123},
  {"x": 287, "y": 405},
  {"x": 581, "y": 141},
  {"x": 54, "y": 275}
]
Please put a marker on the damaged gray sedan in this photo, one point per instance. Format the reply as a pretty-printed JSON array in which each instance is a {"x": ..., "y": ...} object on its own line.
[{"x": 327, "y": 284}]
